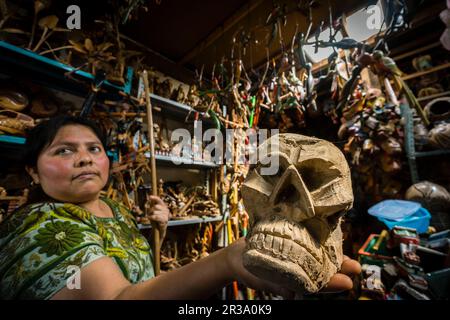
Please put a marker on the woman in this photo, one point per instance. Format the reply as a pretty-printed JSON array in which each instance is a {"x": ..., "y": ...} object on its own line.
[{"x": 73, "y": 228}]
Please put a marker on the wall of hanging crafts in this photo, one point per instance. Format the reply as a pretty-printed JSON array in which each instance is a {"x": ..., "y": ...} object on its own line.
[{"x": 367, "y": 89}]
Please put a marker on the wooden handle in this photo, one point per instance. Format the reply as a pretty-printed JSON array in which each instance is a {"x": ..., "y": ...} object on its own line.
[{"x": 156, "y": 233}]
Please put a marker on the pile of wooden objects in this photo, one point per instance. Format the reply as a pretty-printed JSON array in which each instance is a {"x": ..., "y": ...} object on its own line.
[
  {"x": 185, "y": 202},
  {"x": 197, "y": 244},
  {"x": 21, "y": 107}
]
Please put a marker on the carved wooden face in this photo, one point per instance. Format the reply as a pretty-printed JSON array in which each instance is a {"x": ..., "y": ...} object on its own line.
[{"x": 295, "y": 236}]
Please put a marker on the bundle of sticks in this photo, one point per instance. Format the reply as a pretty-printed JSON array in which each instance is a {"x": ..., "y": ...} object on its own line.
[{"x": 185, "y": 202}]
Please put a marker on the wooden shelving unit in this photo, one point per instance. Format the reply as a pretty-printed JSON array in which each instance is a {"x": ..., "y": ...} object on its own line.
[
  {"x": 25, "y": 64},
  {"x": 20, "y": 62},
  {"x": 410, "y": 149}
]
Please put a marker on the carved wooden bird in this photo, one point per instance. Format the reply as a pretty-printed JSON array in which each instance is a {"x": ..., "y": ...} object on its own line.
[{"x": 386, "y": 64}]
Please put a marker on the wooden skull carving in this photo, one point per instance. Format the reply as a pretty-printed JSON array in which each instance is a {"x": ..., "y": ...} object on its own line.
[{"x": 295, "y": 238}]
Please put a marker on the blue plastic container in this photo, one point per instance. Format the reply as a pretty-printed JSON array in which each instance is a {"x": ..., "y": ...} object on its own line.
[
  {"x": 394, "y": 209},
  {"x": 420, "y": 220}
]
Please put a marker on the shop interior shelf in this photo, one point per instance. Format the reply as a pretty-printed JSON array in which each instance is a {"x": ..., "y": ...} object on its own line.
[
  {"x": 174, "y": 109},
  {"x": 12, "y": 139},
  {"x": 184, "y": 162},
  {"x": 431, "y": 153},
  {"x": 17, "y": 61},
  {"x": 18, "y": 142},
  {"x": 173, "y": 223},
  {"x": 410, "y": 150},
  {"x": 434, "y": 96},
  {"x": 12, "y": 150},
  {"x": 423, "y": 73}
]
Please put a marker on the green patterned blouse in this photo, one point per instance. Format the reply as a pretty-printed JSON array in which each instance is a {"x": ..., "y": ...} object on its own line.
[{"x": 42, "y": 244}]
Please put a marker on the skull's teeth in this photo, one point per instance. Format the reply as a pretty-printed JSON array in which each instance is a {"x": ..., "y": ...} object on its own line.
[
  {"x": 277, "y": 245},
  {"x": 268, "y": 241},
  {"x": 284, "y": 228},
  {"x": 259, "y": 241},
  {"x": 288, "y": 250},
  {"x": 282, "y": 248}
]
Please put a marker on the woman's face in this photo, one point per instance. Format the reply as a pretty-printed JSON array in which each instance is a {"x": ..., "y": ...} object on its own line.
[{"x": 74, "y": 167}]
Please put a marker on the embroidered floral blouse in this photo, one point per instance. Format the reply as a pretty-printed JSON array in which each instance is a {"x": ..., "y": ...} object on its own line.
[{"x": 42, "y": 245}]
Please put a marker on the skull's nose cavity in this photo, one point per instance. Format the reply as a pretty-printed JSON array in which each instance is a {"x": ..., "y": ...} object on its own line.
[{"x": 289, "y": 194}]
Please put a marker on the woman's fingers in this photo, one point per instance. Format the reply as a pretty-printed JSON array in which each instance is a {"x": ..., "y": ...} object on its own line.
[
  {"x": 156, "y": 200},
  {"x": 158, "y": 211},
  {"x": 339, "y": 282},
  {"x": 157, "y": 208},
  {"x": 158, "y": 218},
  {"x": 350, "y": 267},
  {"x": 342, "y": 281}
]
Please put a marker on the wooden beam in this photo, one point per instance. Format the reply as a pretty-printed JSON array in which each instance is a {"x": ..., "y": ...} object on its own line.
[
  {"x": 422, "y": 73},
  {"x": 434, "y": 96},
  {"x": 218, "y": 32},
  {"x": 417, "y": 51}
]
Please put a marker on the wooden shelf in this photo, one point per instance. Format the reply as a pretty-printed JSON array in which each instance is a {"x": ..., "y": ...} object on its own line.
[
  {"x": 173, "y": 223},
  {"x": 434, "y": 96},
  {"x": 417, "y": 51},
  {"x": 166, "y": 160},
  {"x": 433, "y": 153},
  {"x": 20, "y": 62},
  {"x": 184, "y": 162},
  {"x": 12, "y": 150},
  {"x": 174, "y": 109},
  {"x": 12, "y": 139},
  {"x": 423, "y": 73}
]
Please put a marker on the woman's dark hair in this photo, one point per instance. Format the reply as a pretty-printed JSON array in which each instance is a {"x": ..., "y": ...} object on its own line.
[{"x": 42, "y": 135}]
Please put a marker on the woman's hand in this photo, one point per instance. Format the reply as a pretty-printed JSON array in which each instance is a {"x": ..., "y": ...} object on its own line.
[
  {"x": 342, "y": 281},
  {"x": 158, "y": 212},
  {"x": 339, "y": 282}
]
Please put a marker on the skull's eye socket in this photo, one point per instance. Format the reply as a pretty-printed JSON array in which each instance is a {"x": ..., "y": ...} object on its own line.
[{"x": 317, "y": 173}]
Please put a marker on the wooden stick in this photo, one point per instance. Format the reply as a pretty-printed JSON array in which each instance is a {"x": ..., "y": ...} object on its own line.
[
  {"x": 11, "y": 198},
  {"x": 231, "y": 123},
  {"x": 156, "y": 249},
  {"x": 186, "y": 206}
]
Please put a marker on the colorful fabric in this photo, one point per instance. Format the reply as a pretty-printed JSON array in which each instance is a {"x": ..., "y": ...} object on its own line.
[{"x": 41, "y": 245}]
